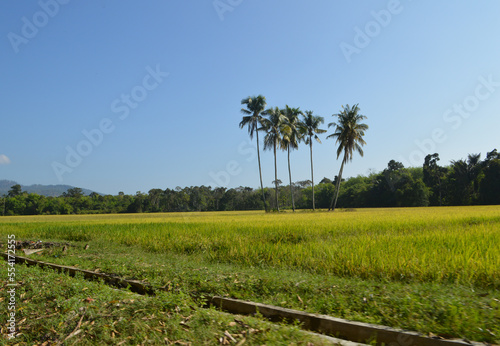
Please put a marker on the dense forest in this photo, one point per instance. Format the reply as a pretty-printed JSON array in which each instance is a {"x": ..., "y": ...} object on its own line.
[{"x": 464, "y": 182}]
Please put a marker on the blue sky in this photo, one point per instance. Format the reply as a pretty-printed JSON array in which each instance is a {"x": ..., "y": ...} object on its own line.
[{"x": 128, "y": 96}]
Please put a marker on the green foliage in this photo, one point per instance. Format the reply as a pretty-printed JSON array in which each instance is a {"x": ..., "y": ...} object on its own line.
[
  {"x": 15, "y": 190},
  {"x": 397, "y": 186},
  {"x": 463, "y": 182},
  {"x": 356, "y": 192},
  {"x": 349, "y": 131},
  {"x": 433, "y": 177},
  {"x": 490, "y": 184}
]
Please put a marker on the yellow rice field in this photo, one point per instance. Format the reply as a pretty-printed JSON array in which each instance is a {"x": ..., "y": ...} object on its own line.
[{"x": 446, "y": 244}]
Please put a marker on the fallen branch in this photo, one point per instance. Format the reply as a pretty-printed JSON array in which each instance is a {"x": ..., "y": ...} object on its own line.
[{"x": 75, "y": 332}]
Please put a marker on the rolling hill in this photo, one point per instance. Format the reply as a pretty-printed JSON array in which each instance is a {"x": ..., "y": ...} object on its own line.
[{"x": 45, "y": 190}]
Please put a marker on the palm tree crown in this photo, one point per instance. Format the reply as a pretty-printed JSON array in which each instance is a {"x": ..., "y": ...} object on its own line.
[
  {"x": 310, "y": 126},
  {"x": 253, "y": 113},
  {"x": 274, "y": 124},
  {"x": 349, "y": 132},
  {"x": 294, "y": 134}
]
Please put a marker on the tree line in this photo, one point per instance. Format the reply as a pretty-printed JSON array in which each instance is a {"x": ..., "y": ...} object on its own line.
[{"x": 469, "y": 181}]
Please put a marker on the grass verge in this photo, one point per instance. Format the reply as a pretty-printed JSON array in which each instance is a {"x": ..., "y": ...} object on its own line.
[
  {"x": 446, "y": 310},
  {"x": 53, "y": 308}
]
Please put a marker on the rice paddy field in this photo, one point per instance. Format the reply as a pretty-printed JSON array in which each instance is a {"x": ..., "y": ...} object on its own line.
[{"x": 431, "y": 270}]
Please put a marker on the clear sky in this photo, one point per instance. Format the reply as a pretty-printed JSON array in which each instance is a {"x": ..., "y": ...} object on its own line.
[{"x": 134, "y": 95}]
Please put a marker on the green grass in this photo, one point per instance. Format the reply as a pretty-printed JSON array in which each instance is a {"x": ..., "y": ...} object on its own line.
[
  {"x": 56, "y": 308},
  {"x": 426, "y": 269}
]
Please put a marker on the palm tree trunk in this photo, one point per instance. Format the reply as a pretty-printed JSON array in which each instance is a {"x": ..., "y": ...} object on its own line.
[
  {"x": 276, "y": 178},
  {"x": 312, "y": 171},
  {"x": 290, "y": 176},
  {"x": 337, "y": 186},
  {"x": 260, "y": 172}
]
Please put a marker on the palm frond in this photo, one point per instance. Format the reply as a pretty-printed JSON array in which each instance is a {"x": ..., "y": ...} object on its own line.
[{"x": 349, "y": 131}]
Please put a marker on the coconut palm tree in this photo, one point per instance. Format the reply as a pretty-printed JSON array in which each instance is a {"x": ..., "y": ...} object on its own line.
[
  {"x": 310, "y": 127},
  {"x": 255, "y": 106},
  {"x": 292, "y": 138},
  {"x": 349, "y": 134},
  {"x": 464, "y": 175},
  {"x": 274, "y": 125}
]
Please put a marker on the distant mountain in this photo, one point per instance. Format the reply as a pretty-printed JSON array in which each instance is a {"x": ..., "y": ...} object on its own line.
[
  {"x": 5, "y": 185},
  {"x": 45, "y": 190}
]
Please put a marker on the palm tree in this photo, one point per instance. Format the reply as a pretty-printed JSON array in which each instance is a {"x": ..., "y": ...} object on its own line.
[
  {"x": 474, "y": 168},
  {"x": 349, "y": 133},
  {"x": 292, "y": 138},
  {"x": 275, "y": 126},
  {"x": 253, "y": 118},
  {"x": 464, "y": 175},
  {"x": 310, "y": 127}
]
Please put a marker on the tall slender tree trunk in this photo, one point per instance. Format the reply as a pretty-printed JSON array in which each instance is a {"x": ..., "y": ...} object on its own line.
[
  {"x": 260, "y": 172},
  {"x": 312, "y": 171},
  {"x": 337, "y": 186},
  {"x": 290, "y": 176},
  {"x": 276, "y": 178}
]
